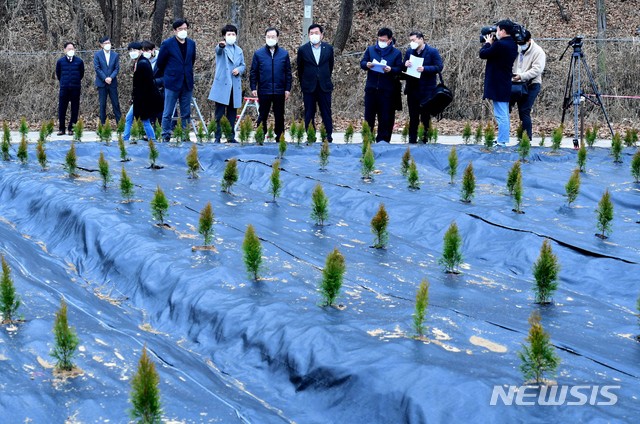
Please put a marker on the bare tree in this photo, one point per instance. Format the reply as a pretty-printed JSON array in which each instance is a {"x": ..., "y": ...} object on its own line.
[
  {"x": 563, "y": 13},
  {"x": 601, "y": 16},
  {"x": 177, "y": 9},
  {"x": 77, "y": 12},
  {"x": 344, "y": 25},
  {"x": 159, "y": 9},
  {"x": 112, "y": 13}
]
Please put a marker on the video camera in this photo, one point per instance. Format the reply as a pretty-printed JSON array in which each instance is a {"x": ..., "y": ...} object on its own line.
[
  {"x": 576, "y": 42},
  {"x": 518, "y": 32},
  {"x": 486, "y": 31}
]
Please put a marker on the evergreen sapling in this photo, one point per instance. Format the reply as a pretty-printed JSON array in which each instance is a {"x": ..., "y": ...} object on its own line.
[
  {"x": 616, "y": 148},
  {"x": 582, "y": 158},
  {"x": 227, "y": 129},
  {"x": 489, "y": 136},
  {"x": 538, "y": 357},
  {"x": 258, "y": 135},
  {"x": 157, "y": 130},
  {"x": 49, "y": 131},
  {"x": 591, "y": 135},
  {"x": 323, "y": 133},
  {"x": 432, "y": 134},
  {"x": 311, "y": 135},
  {"x": 604, "y": 214},
  {"x": 153, "y": 154},
  {"x": 193, "y": 164},
  {"x": 123, "y": 150},
  {"x": 159, "y": 205},
  {"x": 22, "y": 153},
  {"x": 422, "y": 133},
  {"x": 635, "y": 166},
  {"x": 178, "y": 131},
  {"x": 41, "y": 155},
  {"x": 630, "y": 137},
  {"x": 293, "y": 130},
  {"x": 348, "y": 134},
  {"x": 78, "y": 130},
  {"x": 556, "y": 139},
  {"x": 6, "y": 141},
  {"x": 468, "y": 184},
  {"x": 451, "y": 255},
  {"x": 126, "y": 186},
  {"x": 572, "y": 188},
  {"x": 252, "y": 252},
  {"x": 66, "y": 340},
  {"x": 368, "y": 164},
  {"x": 422, "y": 301},
  {"x": 466, "y": 133},
  {"x": 379, "y": 224},
  {"x": 245, "y": 131},
  {"x": 319, "y": 205},
  {"x": 271, "y": 136},
  {"x": 121, "y": 124},
  {"x": 23, "y": 129},
  {"x": 542, "y": 139},
  {"x": 107, "y": 132},
  {"x": 201, "y": 133},
  {"x": 412, "y": 176},
  {"x": 276, "y": 185},
  {"x": 145, "y": 394},
  {"x": 9, "y": 300},
  {"x": 477, "y": 138},
  {"x": 205, "y": 224},
  {"x": 406, "y": 161},
  {"x": 230, "y": 176},
  {"x": 71, "y": 161},
  {"x": 103, "y": 168},
  {"x": 545, "y": 272},
  {"x": 332, "y": 276},
  {"x": 282, "y": 146},
  {"x": 405, "y": 132},
  {"x": 453, "y": 164},
  {"x": 519, "y": 132},
  {"x": 511, "y": 177},
  {"x": 324, "y": 154},
  {"x": 211, "y": 130},
  {"x": 524, "y": 147},
  {"x": 517, "y": 193}
]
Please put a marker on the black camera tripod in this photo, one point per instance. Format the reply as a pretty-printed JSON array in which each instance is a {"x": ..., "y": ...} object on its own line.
[{"x": 573, "y": 93}]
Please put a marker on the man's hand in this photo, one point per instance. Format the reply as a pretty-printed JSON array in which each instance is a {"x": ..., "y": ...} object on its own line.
[
  {"x": 387, "y": 69},
  {"x": 420, "y": 69},
  {"x": 235, "y": 72},
  {"x": 254, "y": 93},
  {"x": 407, "y": 64},
  {"x": 108, "y": 80},
  {"x": 489, "y": 38},
  {"x": 222, "y": 43},
  {"x": 516, "y": 78},
  {"x": 286, "y": 95},
  {"x": 369, "y": 65}
]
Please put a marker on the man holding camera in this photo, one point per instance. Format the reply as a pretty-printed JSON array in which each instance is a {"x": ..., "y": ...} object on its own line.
[
  {"x": 499, "y": 50},
  {"x": 527, "y": 69}
]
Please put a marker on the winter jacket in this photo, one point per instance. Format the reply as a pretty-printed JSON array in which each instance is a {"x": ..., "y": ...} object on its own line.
[
  {"x": 530, "y": 65},
  {"x": 497, "y": 78},
  {"x": 424, "y": 86},
  {"x": 382, "y": 80},
  {"x": 147, "y": 101},
  {"x": 270, "y": 74},
  {"x": 70, "y": 72}
]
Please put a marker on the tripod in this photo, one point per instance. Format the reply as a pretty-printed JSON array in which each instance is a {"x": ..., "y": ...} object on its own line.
[{"x": 573, "y": 94}]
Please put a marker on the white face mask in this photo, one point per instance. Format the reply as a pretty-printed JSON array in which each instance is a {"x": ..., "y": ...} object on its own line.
[
  {"x": 314, "y": 38},
  {"x": 134, "y": 54},
  {"x": 182, "y": 34},
  {"x": 383, "y": 44},
  {"x": 523, "y": 48},
  {"x": 413, "y": 45},
  {"x": 71, "y": 53},
  {"x": 107, "y": 47},
  {"x": 147, "y": 55},
  {"x": 230, "y": 39},
  {"x": 271, "y": 42}
]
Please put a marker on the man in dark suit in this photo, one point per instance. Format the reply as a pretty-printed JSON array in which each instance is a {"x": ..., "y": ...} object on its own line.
[
  {"x": 69, "y": 71},
  {"x": 315, "y": 67},
  {"x": 499, "y": 51},
  {"x": 107, "y": 66},
  {"x": 175, "y": 65}
]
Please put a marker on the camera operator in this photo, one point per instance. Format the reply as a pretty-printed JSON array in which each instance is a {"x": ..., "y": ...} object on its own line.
[
  {"x": 528, "y": 68},
  {"x": 499, "y": 51}
]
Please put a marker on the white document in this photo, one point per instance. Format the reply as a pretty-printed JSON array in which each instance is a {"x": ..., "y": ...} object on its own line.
[
  {"x": 416, "y": 62},
  {"x": 379, "y": 66}
]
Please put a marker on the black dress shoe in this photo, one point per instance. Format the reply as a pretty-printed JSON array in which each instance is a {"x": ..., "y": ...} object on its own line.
[{"x": 60, "y": 133}]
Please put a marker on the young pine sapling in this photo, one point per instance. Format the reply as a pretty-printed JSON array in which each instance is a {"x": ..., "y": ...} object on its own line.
[
  {"x": 324, "y": 155},
  {"x": 572, "y": 188},
  {"x": 453, "y": 164},
  {"x": 145, "y": 394},
  {"x": 193, "y": 164},
  {"x": 451, "y": 254},
  {"x": 422, "y": 302},
  {"x": 635, "y": 166},
  {"x": 230, "y": 176},
  {"x": 159, "y": 205},
  {"x": 22, "y": 153},
  {"x": 489, "y": 136},
  {"x": 412, "y": 176},
  {"x": 332, "y": 276},
  {"x": 319, "y": 205},
  {"x": 524, "y": 147},
  {"x": 466, "y": 133},
  {"x": 582, "y": 158},
  {"x": 368, "y": 164},
  {"x": 379, "y": 224},
  {"x": 604, "y": 215},
  {"x": 468, "y": 184},
  {"x": 545, "y": 272},
  {"x": 66, "y": 340},
  {"x": 9, "y": 300},
  {"x": 538, "y": 357},
  {"x": 252, "y": 252},
  {"x": 348, "y": 133},
  {"x": 71, "y": 161},
  {"x": 406, "y": 161},
  {"x": 41, "y": 155},
  {"x": 275, "y": 186},
  {"x": 616, "y": 148},
  {"x": 205, "y": 223},
  {"x": 126, "y": 186},
  {"x": 511, "y": 176},
  {"x": 103, "y": 168}
]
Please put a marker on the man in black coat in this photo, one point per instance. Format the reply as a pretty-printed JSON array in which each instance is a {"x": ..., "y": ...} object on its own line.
[
  {"x": 499, "y": 52},
  {"x": 69, "y": 71},
  {"x": 315, "y": 67},
  {"x": 419, "y": 90}
]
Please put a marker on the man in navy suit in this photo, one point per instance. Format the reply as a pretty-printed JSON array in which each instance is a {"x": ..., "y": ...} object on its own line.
[
  {"x": 107, "y": 65},
  {"x": 315, "y": 67},
  {"x": 69, "y": 71},
  {"x": 500, "y": 52},
  {"x": 175, "y": 65}
]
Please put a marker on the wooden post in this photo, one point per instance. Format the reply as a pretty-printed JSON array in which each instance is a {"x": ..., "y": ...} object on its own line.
[{"x": 307, "y": 20}]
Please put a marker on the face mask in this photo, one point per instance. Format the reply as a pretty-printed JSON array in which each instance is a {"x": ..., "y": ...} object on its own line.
[
  {"x": 413, "y": 45},
  {"x": 271, "y": 42},
  {"x": 155, "y": 52},
  {"x": 147, "y": 55},
  {"x": 71, "y": 53},
  {"x": 134, "y": 55},
  {"x": 230, "y": 39},
  {"x": 382, "y": 44},
  {"x": 107, "y": 47},
  {"x": 182, "y": 34},
  {"x": 314, "y": 38},
  {"x": 523, "y": 48}
]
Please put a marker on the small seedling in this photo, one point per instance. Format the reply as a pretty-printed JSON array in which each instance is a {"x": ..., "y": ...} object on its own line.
[
  {"x": 159, "y": 205},
  {"x": 71, "y": 161},
  {"x": 332, "y": 276},
  {"x": 126, "y": 186},
  {"x": 556, "y": 138},
  {"x": 201, "y": 133},
  {"x": 22, "y": 153},
  {"x": 453, "y": 164},
  {"x": 466, "y": 133},
  {"x": 227, "y": 129},
  {"x": 405, "y": 132},
  {"x": 252, "y": 252},
  {"x": 6, "y": 141},
  {"x": 205, "y": 224},
  {"x": 245, "y": 130},
  {"x": 324, "y": 154},
  {"x": 78, "y": 130},
  {"x": 582, "y": 158},
  {"x": 538, "y": 357},
  {"x": 366, "y": 132},
  {"x": 270, "y": 134},
  {"x": 489, "y": 136},
  {"x": 42, "y": 134},
  {"x": 211, "y": 130},
  {"x": 422, "y": 301},
  {"x": 193, "y": 164},
  {"x": 145, "y": 394},
  {"x": 41, "y": 154},
  {"x": 99, "y": 130},
  {"x": 323, "y": 133},
  {"x": 319, "y": 205},
  {"x": 406, "y": 161},
  {"x": 348, "y": 134},
  {"x": 630, "y": 137},
  {"x": 572, "y": 188},
  {"x": 50, "y": 127},
  {"x": 24, "y": 127},
  {"x": 178, "y": 131},
  {"x": 368, "y": 164},
  {"x": 511, "y": 177},
  {"x": 157, "y": 130},
  {"x": 276, "y": 185},
  {"x": 635, "y": 166},
  {"x": 604, "y": 214},
  {"x": 121, "y": 125},
  {"x": 282, "y": 146},
  {"x": 519, "y": 132},
  {"x": 477, "y": 138},
  {"x": 616, "y": 148},
  {"x": 379, "y": 224},
  {"x": 422, "y": 133},
  {"x": 230, "y": 176},
  {"x": 412, "y": 176},
  {"x": 432, "y": 134},
  {"x": 591, "y": 135},
  {"x": 103, "y": 168},
  {"x": 293, "y": 130},
  {"x": 66, "y": 340},
  {"x": 258, "y": 135},
  {"x": 311, "y": 135},
  {"x": 123, "y": 149},
  {"x": 137, "y": 130},
  {"x": 524, "y": 147},
  {"x": 545, "y": 272},
  {"x": 451, "y": 255},
  {"x": 9, "y": 300},
  {"x": 107, "y": 132},
  {"x": 468, "y": 184},
  {"x": 153, "y": 154},
  {"x": 517, "y": 193},
  {"x": 542, "y": 139}
]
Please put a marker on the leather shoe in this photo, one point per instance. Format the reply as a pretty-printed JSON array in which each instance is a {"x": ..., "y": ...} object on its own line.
[{"x": 60, "y": 133}]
